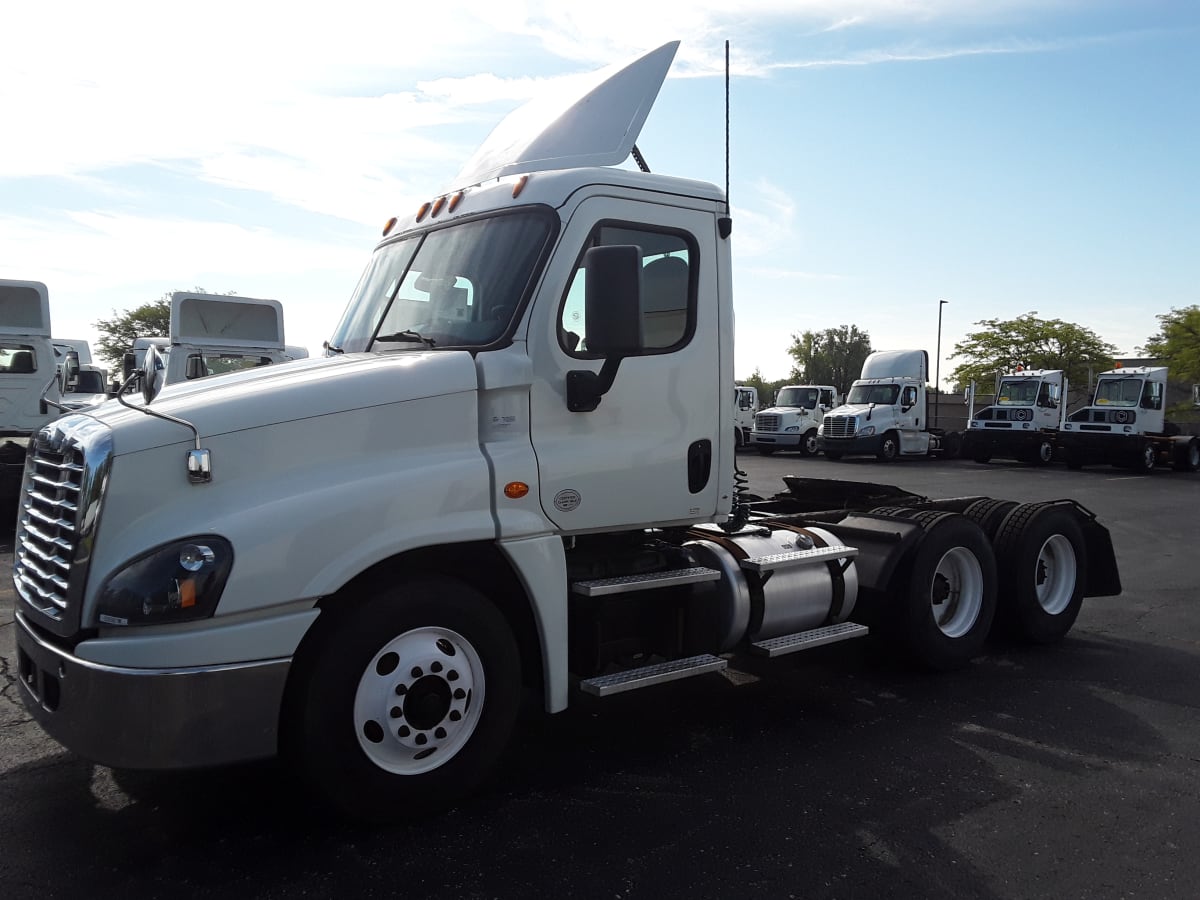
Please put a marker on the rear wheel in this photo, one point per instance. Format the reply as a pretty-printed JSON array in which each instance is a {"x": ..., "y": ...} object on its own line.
[
  {"x": 403, "y": 705},
  {"x": 1042, "y": 558},
  {"x": 950, "y": 598},
  {"x": 808, "y": 443},
  {"x": 989, "y": 513},
  {"x": 1187, "y": 456}
]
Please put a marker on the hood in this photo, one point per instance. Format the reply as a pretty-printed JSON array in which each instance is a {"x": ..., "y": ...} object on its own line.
[{"x": 286, "y": 392}]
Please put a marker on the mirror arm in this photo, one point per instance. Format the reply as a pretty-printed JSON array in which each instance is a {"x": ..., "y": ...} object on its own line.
[{"x": 585, "y": 387}]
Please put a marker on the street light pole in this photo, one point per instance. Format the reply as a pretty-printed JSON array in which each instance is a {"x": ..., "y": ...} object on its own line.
[{"x": 937, "y": 382}]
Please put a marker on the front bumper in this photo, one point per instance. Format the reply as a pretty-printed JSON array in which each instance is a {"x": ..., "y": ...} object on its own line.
[
  {"x": 1000, "y": 441},
  {"x": 151, "y": 718},
  {"x": 776, "y": 438},
  {"x": 849, "y": 446}
]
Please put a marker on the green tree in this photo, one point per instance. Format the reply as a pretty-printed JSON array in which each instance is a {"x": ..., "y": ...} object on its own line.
[
  {"x": 1003, "y": 344},
  {"x": 834, "y": 356},
  {"x": 118, "y": 333},
  {"x": 1177, "y": 343},
  {"x": 766, "y": 389}
]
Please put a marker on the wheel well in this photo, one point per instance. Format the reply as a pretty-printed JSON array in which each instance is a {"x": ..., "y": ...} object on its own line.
[{"x": 488, "y": 572}]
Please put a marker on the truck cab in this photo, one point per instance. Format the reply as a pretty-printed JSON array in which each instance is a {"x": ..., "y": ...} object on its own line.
[
  {"x": 1025, "y": 420},
  {"x": 745, "y": 406},
  {"x": 213, "y": 334},
  {"x": 28, "y": 367},
  {"x": 792, "y": 421},
  {"x": 1125, "y": 425}
]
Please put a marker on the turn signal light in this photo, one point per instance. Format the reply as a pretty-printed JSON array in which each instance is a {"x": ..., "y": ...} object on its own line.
[{"x": 515, "y": 490}]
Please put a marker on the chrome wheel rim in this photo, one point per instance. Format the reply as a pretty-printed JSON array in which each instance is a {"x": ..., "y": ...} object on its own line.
[
  {"x": 419, "y": 700},
  {"x": 956, "y": 593}
]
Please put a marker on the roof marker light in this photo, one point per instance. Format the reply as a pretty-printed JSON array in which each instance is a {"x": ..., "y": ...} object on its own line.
[
  {"x": 424, "y": 209},
  {"x": 520, "y": 186},
  {"x": 389, "y": 225},
  {"x": 454, "y": 201},
  {"x": 437, "y": 206}
]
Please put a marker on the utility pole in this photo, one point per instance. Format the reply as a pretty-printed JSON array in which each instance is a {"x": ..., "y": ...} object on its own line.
[{"x": 937, "y": 378}]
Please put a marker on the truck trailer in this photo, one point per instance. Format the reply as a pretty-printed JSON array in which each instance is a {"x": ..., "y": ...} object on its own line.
[{"x": 513, "y": 477}]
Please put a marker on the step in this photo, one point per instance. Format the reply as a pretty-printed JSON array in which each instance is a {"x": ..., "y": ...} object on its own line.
[
  {"x": 806, "y": 640},
  {"x": 624, "y": 584},
  {"x": 659, "y": 673},
  {"x": 777, "y": 561}
]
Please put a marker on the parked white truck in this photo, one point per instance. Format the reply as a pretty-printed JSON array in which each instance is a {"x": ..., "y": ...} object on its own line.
[
  {"x": 1125, "y": 425},
  {"x": 792, "y": 421},
  {"x": 886, "y": 413},
  {"x": 211, "y": 334},
  {"x": 745, "y": 407},
  {"x": 514, "y": 475},
  {"x": 30, "y": 374},
  {"x": 1024, "y": 422}
]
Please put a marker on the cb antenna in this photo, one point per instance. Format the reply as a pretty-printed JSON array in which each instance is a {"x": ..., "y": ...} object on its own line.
[{"x": 727, "y": 128}]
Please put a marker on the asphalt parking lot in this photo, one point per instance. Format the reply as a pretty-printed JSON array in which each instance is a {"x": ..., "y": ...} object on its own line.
[{"x": 1067, "y": 772}]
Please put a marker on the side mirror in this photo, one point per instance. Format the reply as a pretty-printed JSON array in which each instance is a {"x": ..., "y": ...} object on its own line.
[
  {"x": 612, "y": 308},
  {"x": 196, "y": 367},
  {"x": 70, "y": 370},
  {"x": 152, "y": 374}
]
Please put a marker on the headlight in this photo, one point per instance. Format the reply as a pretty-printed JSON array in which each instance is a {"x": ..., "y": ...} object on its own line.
[
  {"x": 792, "y": 428},
  {"x": 866, "y": 431},
  {"x": 177, "y": 582}
]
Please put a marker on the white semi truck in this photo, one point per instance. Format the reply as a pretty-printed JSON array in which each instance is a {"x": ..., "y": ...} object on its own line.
[
  {"x": 211, "y": 334},
  {"x": 745, "y": 407},
  {"x": 1025, "y": 420},
  {"x": 31, "y": 374},
  {"x": 792, "y": 421},
  {"x": 1125, "y": 425},
  {"x": 886, "y": 413},
  {"x": 513, "y": 477}
]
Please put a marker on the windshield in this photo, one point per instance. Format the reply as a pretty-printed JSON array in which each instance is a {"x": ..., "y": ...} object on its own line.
[
  {"x": 455, "y": 287},
  {"x": 798, "y": 396},
  {"x": 874, "y": 393},
  {"x": 1118, "y": 391},
  {"x": 1017, "y": 392}
]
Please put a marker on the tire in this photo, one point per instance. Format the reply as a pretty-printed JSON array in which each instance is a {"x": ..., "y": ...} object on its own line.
[
  {"x": 1074, "y": 461},
  {"x": 764, "y": 450},
  {"x": 403, "y": 704},
  {"x": 1147, "y": 456},
  {"x": 989, "y": 514},
  {"x": 952, "y": 443},
  {"x": 981, "y": 456},
  {"x": 1042, "y": 558},
  {"x": 889, "y": 447},
  {"x": 738, "y": 440},
  {"x": 835, "y": 455},
  {"x": 949, "y": 601},
  {"x": 1186, "y": 456},
  {"x": 1042, "y": 453},
  {"x": 808, "y": 443}
]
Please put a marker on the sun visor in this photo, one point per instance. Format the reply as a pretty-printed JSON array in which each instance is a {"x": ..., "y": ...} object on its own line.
[
  {"x": 592, "y": 120},
  {"x": 226, "y": 321}
]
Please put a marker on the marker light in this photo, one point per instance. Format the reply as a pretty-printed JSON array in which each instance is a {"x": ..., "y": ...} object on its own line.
[
  {"x": 520, "y": 186},
  {"x": 454, "y": 201},
  {"x": 389, "y": 225},
  {"x": 424, "y": 209},
  {"x": 515, "y": 490},
  {"x": 437, "y": 206}
]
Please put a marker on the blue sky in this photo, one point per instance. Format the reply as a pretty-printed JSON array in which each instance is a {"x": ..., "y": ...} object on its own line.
[{"x": 1005, "y": 156}]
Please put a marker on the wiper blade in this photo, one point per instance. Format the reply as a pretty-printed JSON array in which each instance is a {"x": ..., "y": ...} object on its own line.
[{"x": 407, "y": 335}]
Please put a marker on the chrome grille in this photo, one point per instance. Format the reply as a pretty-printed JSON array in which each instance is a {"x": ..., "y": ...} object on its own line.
[
  {"x": 65, "y": 470},
  {"x": 767, "y": 422},
  {"x": 839, "y": 426}
]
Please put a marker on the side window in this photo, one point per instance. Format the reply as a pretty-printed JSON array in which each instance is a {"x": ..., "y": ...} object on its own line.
[
  {"x": 910, "y": 397},
  {"x": 1152, "y": 395},
  {"x": 1048, "y": 396},
  {"x": 17, "y": 359},
  {"x": 668, "y": 295}
]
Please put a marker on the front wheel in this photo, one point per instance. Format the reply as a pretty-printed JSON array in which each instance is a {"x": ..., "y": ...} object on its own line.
[
  {"x": 889, "y": 448},
  {"x": 808, "y": 443},
  {"x": 1147, "y": 455},
  {"x": 1042, "y": 454},
  {"x": 402, "y": 705}
]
